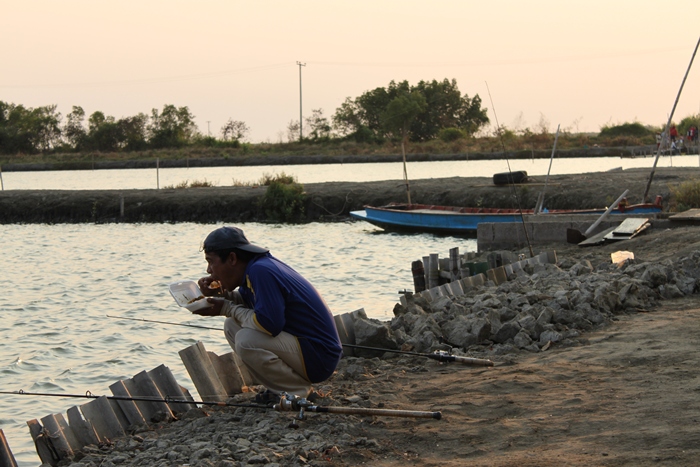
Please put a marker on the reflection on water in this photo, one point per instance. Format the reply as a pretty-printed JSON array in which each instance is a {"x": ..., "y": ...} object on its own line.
[
  {"x": 62, "y": 280},
  {"x": 123, "y": 179}
]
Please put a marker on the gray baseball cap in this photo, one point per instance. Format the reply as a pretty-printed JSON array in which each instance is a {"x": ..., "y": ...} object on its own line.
[{"x": 226, "y": 238}]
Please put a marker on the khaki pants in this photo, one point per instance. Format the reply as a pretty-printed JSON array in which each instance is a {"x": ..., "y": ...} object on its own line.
[{"x": 275, "y": 362}]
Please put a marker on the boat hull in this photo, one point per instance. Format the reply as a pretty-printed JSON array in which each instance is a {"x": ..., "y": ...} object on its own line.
[{"x": 464, "y": 221}]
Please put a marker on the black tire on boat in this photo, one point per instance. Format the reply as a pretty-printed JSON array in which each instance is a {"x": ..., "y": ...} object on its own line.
[{"x": 508, "y": 178}]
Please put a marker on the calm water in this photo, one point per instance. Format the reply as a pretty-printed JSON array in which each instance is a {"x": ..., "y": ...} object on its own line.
[
  {"x": 225, "y": 176},
  {"x": 62, "y": 280}
]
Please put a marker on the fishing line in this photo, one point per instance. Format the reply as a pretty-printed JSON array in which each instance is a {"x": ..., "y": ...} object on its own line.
[
  {"x": 166, "y": 399},
  {"x": 510, "y": 172},
  {"x": 440, "y": 356},
  {"x": 287, "y": 402}
]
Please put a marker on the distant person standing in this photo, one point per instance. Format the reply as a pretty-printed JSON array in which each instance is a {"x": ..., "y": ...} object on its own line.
[
  {"x": 693, "y": 134},
  {"x": 673, "y": 133}
]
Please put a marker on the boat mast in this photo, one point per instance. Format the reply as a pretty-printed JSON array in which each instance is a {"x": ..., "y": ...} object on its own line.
[
  {"x": 512, "y": 184},
  {"x": 540, "y": 199},
  {"x": 645, "y": 198}
]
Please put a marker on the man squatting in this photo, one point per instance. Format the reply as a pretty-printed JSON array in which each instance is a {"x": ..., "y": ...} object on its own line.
[{"x": 276, "y": 321}]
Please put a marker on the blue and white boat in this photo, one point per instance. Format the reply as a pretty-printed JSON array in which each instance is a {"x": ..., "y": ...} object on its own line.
[{"x": 464, "y": 221}]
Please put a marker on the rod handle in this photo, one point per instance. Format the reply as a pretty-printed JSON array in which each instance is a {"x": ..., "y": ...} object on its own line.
[
  {"x": 379, "y": 412},
  {"x": 472, "y": 361}
]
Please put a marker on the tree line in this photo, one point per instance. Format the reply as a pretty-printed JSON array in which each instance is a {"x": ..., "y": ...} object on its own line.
[{"x": 399, "y": 111}]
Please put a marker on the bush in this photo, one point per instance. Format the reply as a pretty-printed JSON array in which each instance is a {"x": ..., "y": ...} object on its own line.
[
  {"x": 686, "y": 196},
  {"x": 187, "y": 184},
  {"x": 284, "y": 199},
  {"x": 626, "y": 129},
  {"x": 451, "y": 134}
]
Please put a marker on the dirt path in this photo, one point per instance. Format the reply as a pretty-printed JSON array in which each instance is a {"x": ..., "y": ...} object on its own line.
[{"x": 626, "y": 396}]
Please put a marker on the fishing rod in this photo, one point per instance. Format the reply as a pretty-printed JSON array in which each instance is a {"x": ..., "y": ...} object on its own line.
[
  {"x": 512, "y": 183},
  {"x": 439, "y": 355},
  {"x": 287, "y": 402},
  {"x": 166, "y": 399}
]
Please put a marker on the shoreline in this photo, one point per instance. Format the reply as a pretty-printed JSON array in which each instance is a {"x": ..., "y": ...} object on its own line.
[
  {"x": 293, "y": 159},
  {"x": 331, "y": 201}
]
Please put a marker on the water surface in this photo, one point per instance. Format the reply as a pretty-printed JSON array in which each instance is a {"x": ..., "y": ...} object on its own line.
[
  {"x": 61, "y": 282},
  {"x": 227, "y": 176}
]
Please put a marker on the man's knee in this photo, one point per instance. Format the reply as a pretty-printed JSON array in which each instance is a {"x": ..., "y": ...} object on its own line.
[{"x": 246, "y": 343}]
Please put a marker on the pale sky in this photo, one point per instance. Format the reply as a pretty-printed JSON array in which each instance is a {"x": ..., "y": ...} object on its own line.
[{"x": 580, "y": 64}]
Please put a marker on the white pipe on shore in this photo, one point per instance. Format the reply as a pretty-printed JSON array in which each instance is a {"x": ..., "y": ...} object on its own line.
[{"x": 605, "y": 214}]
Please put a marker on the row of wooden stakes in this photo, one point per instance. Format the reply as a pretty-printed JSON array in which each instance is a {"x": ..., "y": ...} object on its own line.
[
  {"x": 458, "y": 273},
  {"x": 104, "y": 419}
]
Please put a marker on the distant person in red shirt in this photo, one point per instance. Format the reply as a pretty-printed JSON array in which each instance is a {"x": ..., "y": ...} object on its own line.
[{"x": 673, "y": 133}]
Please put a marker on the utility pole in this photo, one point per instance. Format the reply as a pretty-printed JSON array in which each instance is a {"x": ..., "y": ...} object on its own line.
[
  {"x": 208, "y": 130},
  {"x": 301, "y": 125}
]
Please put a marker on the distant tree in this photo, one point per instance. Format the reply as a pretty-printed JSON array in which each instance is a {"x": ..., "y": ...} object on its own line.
[
  {"x": 173, "y": 127},
  {"x": 347, "y": 119},
  {"x": 234, "y": 130},
  {"x": 293, "y": 130},
  {"x": 26, "y": 130},
  {"x": 446, "y": 107},
  {"x": 133, "y": 132},
  {"x": 74, "y": 131},
  {"x": 103, "y": 133},
  {"x": 319, "y": 126},
  {"x": 15, "y": 134},
  {"x": 45, "y": 127}
]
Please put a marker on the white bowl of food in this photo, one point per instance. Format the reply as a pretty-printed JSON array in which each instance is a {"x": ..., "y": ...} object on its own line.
[{"x": 188, "y": 295}]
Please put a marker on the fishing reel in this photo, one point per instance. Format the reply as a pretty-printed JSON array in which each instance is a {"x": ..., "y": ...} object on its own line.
[{"x": 290, "y": 402}]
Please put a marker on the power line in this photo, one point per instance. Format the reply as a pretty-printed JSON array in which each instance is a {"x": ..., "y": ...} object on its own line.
[
  {"x": 301, "y": 124},
  {"x": 166, "y": 79}
]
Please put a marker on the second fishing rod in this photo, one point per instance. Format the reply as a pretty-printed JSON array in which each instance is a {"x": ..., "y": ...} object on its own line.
[{"x": 440, "y": 356}]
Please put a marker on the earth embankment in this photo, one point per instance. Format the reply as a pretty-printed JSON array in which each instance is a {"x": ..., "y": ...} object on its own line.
[
  {"x": 147, "y": 160},
  {"x": 334, "y": 200}
]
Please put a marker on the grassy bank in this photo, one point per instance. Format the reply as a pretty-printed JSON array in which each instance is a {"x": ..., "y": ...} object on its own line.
[{"x": 510, "y": 145}]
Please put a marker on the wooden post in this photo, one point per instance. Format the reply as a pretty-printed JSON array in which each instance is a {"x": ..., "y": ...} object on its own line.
[
  {"x": 83, "y": 430},
  {"x": 227, "y": 369},
  {"x": 121, "y": 205},
  {"x": 203, "y": 374},
  {"x": 349, "y": 326},
  {"x": 130, "y": 408},
  {"x": 100, "y": 414},
  {"x": 127, "y": 387},
  {"x": 62, "y": 437},
  {"x": 147, "y": 388},
  {"x": 478, "y": 279},
  {"x": 47, "y": 453},
  {"x": 426, "y": 271},
  {"x": 456, "y": 287},
  {"x": 433, "y": 271},
  {"x": 119, "y": 413},
  {"x": 509, "y": 269},
  {"x": 418, "y": 272},
  {"x": 454, "y": 263},
  {"x": 6, "y": 457},
  {"x": 435, "y": 292},
  {"x": 467, "y": 283},
  {"x": 343, "y": 335},
  {"x": 165, "y": 381}
]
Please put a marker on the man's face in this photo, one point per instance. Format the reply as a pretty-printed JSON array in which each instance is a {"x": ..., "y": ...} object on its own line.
[{"x": 229, "y": 272}]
